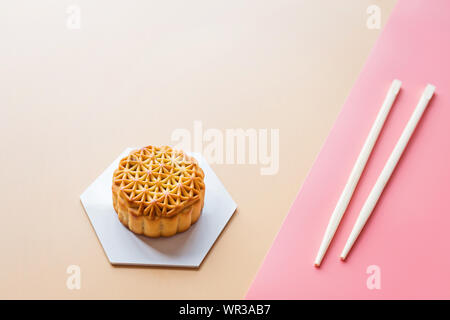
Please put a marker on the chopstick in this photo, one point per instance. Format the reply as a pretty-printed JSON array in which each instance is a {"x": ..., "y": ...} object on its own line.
[
  {"x": 358, "y": 168},
  {"x": 386, "y": 173}
]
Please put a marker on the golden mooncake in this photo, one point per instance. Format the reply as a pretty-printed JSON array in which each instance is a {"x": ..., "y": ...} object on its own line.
[{"x": 158, "y": 191}]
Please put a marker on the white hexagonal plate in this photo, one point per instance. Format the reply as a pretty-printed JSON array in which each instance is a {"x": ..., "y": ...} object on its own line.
[{"x": 186, "y": 249}]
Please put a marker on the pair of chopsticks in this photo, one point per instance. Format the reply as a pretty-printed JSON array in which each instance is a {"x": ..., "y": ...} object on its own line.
[{"x": 360, "y": 164}]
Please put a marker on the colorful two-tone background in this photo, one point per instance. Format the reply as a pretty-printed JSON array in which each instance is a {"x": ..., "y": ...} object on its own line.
[{"x": 72, "y": 99}]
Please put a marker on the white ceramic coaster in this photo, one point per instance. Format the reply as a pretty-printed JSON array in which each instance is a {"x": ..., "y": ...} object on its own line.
[{"x": 186, "y": 249}]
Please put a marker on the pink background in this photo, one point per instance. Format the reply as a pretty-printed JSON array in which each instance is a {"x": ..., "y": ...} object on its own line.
[{"x": 408, "y": 235}]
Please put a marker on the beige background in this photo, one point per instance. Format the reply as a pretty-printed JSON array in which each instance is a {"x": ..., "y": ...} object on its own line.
[{"x": 72, "y": 100}]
